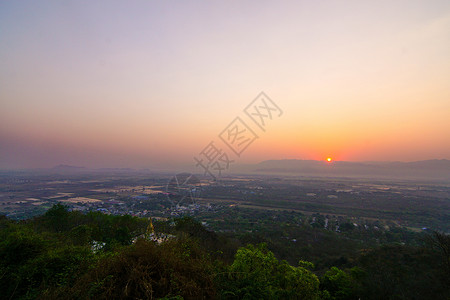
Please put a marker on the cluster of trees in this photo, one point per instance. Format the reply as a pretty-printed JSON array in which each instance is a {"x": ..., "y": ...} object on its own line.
[
  {"x": 257, "y": 274},
  {"x": 292, "y": 235},
  {"x": 53, "y": 257}
]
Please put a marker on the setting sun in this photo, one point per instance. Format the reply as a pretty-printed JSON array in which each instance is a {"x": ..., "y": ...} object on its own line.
[{"x": 329, "y": 159}]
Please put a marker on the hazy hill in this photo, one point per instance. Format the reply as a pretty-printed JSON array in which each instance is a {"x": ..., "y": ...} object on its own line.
[
  {"x": 67, "y": 168},
  {"x": 436, "y": 169}
]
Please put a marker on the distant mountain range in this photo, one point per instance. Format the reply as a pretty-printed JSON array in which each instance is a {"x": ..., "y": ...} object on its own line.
[
  {"x": 436, "y": 169},
  {"x": 67, "y": 168}
]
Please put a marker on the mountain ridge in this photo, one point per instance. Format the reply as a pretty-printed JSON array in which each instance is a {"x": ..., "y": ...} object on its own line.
[{"x": 423, "y": 169}]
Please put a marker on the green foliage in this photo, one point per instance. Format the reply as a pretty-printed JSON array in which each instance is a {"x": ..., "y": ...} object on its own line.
[
  {"x": 401, "y": 272},
  {"x": 338, "y": 284},
  {"x": 257, "y": 274},
  {"x": 146, "y": 271},
  {"x": 30, "y": 264},
  {"x": 81, "y": 235},
  {"x": 216, "y": 246},
  {"x": 79, "y": 229},
  {"x": 21, "y": 245},
  {"x": 51, "y": 257},
  {"x": 57, "y": 218},
  {"x": 194, "y": 229},
  {"x": 16, "y": 251},
  {"x": 298, "y": 283},
  {"x": 440, "y": 243}
]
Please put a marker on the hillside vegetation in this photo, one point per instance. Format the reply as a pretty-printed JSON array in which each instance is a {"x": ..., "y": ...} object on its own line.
[{"x": 69, "y": 255}]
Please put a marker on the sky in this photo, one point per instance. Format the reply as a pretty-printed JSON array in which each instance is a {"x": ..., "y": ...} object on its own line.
[{"x": 149, "y": 84}]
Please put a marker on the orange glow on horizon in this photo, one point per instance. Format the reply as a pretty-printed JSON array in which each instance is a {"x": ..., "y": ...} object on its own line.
[{"x": 329, "y": 159}]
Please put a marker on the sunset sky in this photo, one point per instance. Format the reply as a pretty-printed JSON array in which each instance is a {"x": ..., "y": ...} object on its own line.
[{"x": 150, "y": 83}]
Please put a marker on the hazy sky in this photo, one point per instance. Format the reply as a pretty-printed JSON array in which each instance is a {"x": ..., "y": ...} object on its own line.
[{"x": 151, "y": 83}]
